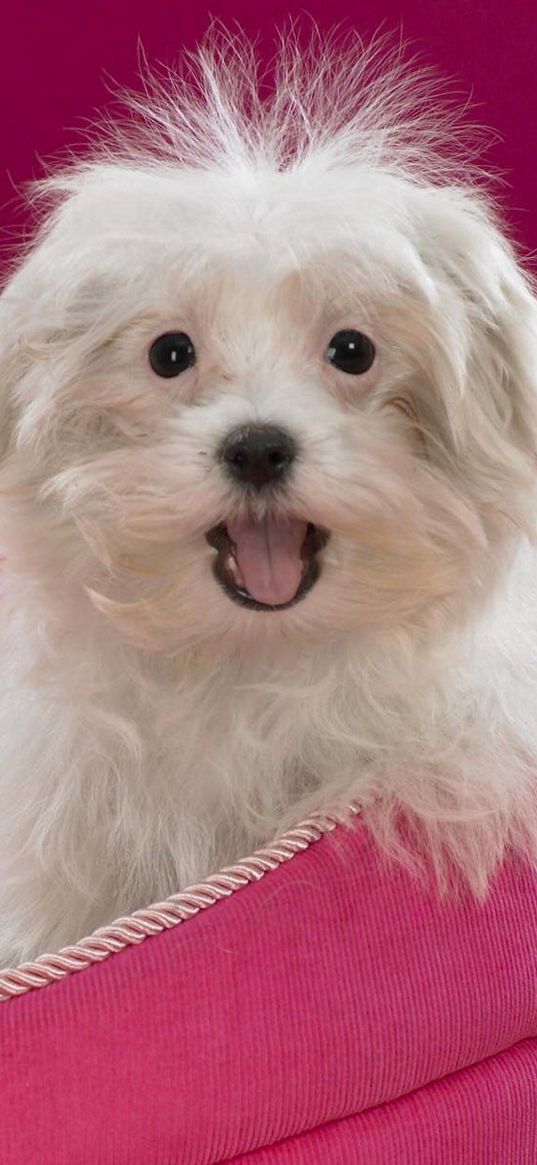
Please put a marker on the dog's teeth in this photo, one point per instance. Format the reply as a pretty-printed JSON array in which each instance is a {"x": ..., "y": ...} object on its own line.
[{"x": 233, "y": 568}]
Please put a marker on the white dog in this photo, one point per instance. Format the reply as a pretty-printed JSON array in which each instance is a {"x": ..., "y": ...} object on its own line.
[{"x": 267, "y": 498}]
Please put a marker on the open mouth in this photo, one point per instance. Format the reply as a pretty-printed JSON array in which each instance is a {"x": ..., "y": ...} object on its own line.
[{"x": 268, "y": 564}]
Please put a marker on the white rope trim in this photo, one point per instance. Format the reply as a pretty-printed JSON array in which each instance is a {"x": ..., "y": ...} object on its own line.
[{"x": 134, "y": 928}]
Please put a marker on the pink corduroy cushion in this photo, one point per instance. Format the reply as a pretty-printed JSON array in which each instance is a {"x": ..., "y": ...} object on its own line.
[{"x": 334, "y": 1012}]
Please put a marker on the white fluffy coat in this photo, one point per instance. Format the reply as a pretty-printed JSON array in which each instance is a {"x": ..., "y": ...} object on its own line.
[{"x": 150, "y": 729}]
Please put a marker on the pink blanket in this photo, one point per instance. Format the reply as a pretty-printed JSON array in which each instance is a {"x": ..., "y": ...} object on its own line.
[{"x": 334, "y": 1012}]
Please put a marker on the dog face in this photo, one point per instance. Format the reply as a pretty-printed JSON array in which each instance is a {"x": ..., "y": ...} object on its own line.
[{"x": 262, "y": 407}]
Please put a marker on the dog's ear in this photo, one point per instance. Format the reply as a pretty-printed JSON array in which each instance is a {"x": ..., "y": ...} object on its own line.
[
  {"x": 15, "y": 361},
  {"x": 52, "y": 316},
  {"x": 477, "y": 403},
  {"x": 474, "y": 263},
  {"x": 26, "y": 314},
  {"x": 512, "y": 338}
]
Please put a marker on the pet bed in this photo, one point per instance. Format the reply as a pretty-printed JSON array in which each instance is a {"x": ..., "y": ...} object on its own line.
[{"x": 314, "y": 1006}]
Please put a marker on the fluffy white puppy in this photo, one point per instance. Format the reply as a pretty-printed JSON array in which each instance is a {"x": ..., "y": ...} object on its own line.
[{"x": 267, "y": 498}]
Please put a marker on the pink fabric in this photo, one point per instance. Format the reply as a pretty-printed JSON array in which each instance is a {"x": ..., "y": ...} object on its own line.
[
  {"x": 484, "y": 1115},
  {"x": 335, "y": 1011}
]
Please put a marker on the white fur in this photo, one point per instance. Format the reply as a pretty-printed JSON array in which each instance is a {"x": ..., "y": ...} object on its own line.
[{"x": 152, "y": 730}]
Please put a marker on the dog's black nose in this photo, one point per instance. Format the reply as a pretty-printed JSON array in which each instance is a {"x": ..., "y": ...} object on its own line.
[{"x": 258, "y": 455}]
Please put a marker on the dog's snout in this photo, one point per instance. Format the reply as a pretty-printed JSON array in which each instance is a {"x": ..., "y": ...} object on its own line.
[{"x": 258, "y": 455}]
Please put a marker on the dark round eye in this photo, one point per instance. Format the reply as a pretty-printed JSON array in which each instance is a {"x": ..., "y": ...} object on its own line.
[
  {"x": 172, "y": 354},
  {"x": 351, "y": 352}
]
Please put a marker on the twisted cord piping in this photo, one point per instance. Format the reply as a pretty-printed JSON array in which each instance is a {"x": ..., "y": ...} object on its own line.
[{"x": 135, "y": 928}]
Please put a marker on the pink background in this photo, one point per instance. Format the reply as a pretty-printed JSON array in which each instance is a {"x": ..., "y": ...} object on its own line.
[{"x": 55, "y": 57}]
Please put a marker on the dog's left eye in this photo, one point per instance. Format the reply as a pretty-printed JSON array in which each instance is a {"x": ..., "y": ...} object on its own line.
[
  {"x": 351, "y": 352},
  {"x": 171, "y": 354}
]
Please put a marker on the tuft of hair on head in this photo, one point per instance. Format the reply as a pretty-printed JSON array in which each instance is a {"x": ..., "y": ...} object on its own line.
[{"x": 326, "y": 98}]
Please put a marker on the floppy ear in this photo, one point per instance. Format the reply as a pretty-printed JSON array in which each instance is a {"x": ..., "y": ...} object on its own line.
[
  {"x": 487, "y": 312},
  {"x": 53, "y": 317},
  {"x": 512, "y": 337},
  {"x": 27, "y": 312},
  {"x": 8, "y": 363},
  {"x": 501, "y": 309}
]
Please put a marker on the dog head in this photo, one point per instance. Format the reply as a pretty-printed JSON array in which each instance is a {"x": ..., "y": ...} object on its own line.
[{"x": 271, "y": 378}]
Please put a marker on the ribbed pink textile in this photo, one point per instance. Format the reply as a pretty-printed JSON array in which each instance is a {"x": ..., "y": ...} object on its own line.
[
  {"x": 483, "y": 1115},
  {"x": 335, "y": 1011}
]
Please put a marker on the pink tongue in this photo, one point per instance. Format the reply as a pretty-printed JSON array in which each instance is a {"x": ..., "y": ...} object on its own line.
[{"x": 268, "y": 556}]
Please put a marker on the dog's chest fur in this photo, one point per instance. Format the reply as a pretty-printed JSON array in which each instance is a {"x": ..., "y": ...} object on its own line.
[{"x": 125, "y": 777}]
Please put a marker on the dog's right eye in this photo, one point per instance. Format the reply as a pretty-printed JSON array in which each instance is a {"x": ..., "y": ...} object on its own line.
[{"x": 171, "y": 354}]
